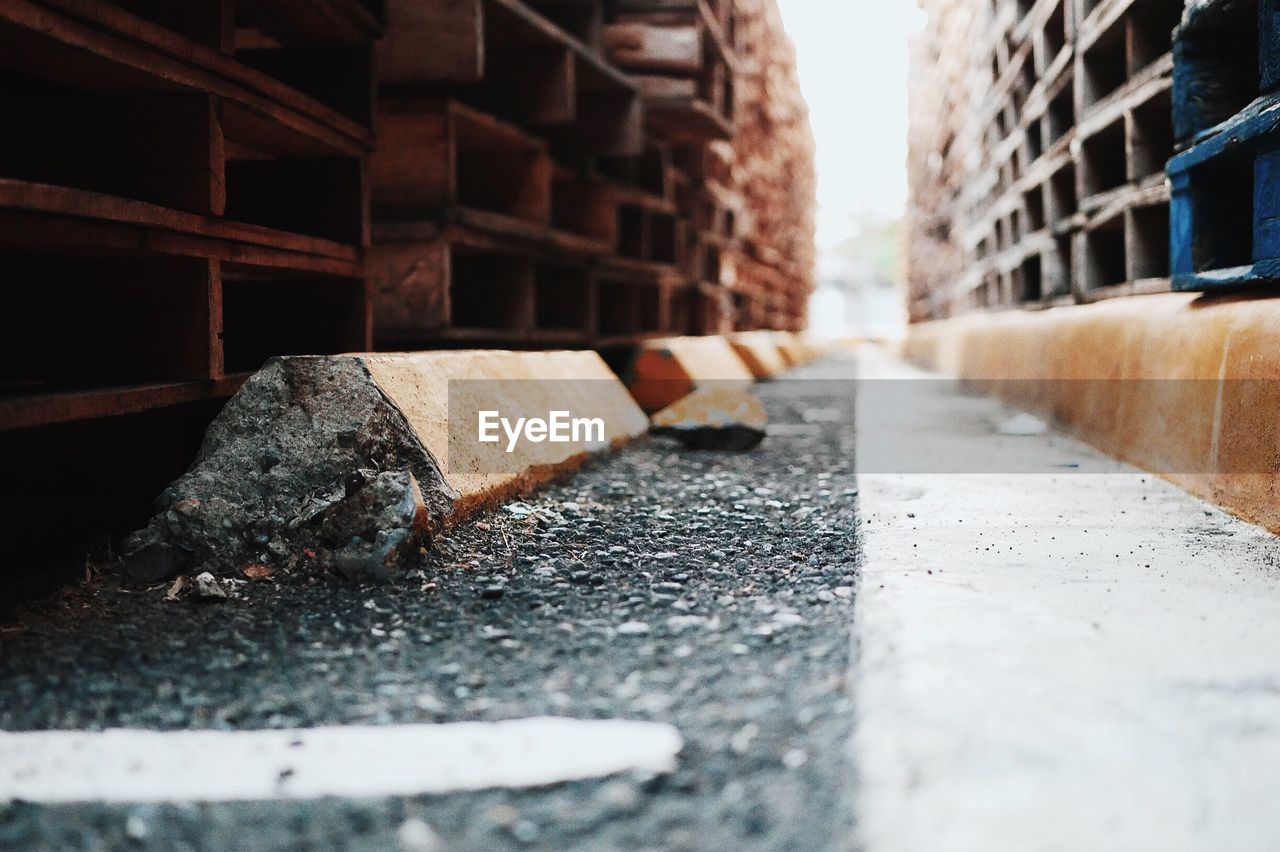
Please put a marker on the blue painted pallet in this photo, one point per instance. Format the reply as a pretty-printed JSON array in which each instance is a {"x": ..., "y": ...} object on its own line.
[{"x": 1225, "y": 205}]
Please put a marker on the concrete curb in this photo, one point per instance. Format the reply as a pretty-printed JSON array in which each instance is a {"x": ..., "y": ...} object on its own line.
[
  {"x": 799, "y": 348},
  {"x": 350, "y": 461},
  {"x": 419, "y": 384},
  {"x": 1200, "y": 401},
  {"x": 760, "y": 351},
  {"x": 666, "y": 370}
]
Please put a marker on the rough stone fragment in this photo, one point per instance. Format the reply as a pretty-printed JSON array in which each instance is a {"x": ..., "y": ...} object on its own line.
[
  {"x": 207, "y": 586},
  {"x": 257, "y": 571},
  {"x": 279, "y": 461},
  {"x": 727, "y": 418},
  {"x": 377, "y": 518},
  {"x": 177, "y": 588}
]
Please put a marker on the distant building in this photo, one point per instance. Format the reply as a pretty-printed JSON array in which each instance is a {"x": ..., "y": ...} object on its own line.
[{"x": 858, "y": 292}]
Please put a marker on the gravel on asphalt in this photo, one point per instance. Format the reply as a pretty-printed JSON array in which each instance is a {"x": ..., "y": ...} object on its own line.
[{"x": 712, "y": 591}]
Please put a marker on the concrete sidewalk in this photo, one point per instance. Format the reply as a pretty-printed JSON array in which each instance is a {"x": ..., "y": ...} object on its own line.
[{"x": 1056, "y": 660}]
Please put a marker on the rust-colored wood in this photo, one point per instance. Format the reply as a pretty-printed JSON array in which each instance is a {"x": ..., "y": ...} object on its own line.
[
  {"x": 644, "y": 47},
  {"x": 436, "y": 155},
  {"x": 93, "y": 46},
  {"x": 432, "y": 40},
  {"x": 26, "y": 197},
  {"x": 409, "y": 283},
  {"x": 208, "y": 22},
  {"x": 315, "y": 22},
  {"x": 49, "y": 409}
]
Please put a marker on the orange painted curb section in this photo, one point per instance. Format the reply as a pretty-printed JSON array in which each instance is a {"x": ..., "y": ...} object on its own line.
[
  {"x": 669, "y": 369},
  {"x": 760, "y": 351}
]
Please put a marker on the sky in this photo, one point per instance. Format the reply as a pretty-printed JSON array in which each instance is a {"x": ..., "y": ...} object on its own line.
[{"x": 853, "y": 69}]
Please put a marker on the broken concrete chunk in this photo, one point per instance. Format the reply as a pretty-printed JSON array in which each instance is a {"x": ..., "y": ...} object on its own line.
[
  {"x": 726, "y": 418},
  {"x": 299, "y": 428},
  {"x": 379, "y": 519}
]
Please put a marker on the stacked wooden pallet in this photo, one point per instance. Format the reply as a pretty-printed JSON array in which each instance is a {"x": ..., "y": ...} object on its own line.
[
  {"x": 524, "y": 187},
  {"x": 773, "y": 178},
  {"x": 681, "y": 54},
  {"x": 1043, "y": 182},
  {"x": 188, "y": 188},
  {"x": 181, "y": 195},
  {"x": 1226, "y": 176},
  {"x": 192, "y": 186}
]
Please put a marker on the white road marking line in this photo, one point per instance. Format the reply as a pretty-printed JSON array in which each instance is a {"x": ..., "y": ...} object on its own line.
[{"x": 124, "y": 765}]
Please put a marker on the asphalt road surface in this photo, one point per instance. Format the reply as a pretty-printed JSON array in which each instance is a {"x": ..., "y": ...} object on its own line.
[{"x": 708, "y": 591}]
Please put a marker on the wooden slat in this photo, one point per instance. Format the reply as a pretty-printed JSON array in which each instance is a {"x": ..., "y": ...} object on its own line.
[
  {"x": 93, "y": 46},
  {"x": 312, "y": 21},
  {"x": 36, "y": 214},
  {"x": 649, "y": 48},
  {"x": 24, "y": 412}
]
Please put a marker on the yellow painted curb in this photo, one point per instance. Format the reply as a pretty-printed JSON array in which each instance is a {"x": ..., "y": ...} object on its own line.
[
  {"x": 1192, "y": 408},
  {"x": 667, "y": 370},
  {"x": 759, "y": 350},
  {"x": 429, "y": 387}
]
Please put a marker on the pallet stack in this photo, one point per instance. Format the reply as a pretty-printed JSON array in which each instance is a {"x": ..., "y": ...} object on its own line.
[
  {"x": 189, "y": 188},
  {"x": 182, "y": 194},
  {"x": 1226, "y": 176},
  {"x": 773, "y": 178},
  {"x": 1040, "y": 132},
  {"x": 532, "y": 183},
  {"x": 683, "y": 54}
]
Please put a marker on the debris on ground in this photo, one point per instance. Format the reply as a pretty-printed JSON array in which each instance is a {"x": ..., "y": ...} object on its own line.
[
  {"x": 723, "y": 418},
  {"x": 1022, "y": 424},
  {"x": 257, "y": 571},
  {"x": 206, "y": 586},
  {"x": 178, "y": 588},
  {"x": 685, "y": 543}
]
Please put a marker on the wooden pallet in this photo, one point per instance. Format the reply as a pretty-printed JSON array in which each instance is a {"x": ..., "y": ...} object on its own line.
[
  {"x": 458, "y": 284},
  {"x": 499, "y": 160},
  {"x": 506, "y": 58},
  {"x": 1226, "y": 178},
  {"x": 1069, "y": 202},
  {"x": 177, "y": 204},
  {"x": 683, "y": 62},
  {"x": 1225, "y": 208}
]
